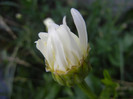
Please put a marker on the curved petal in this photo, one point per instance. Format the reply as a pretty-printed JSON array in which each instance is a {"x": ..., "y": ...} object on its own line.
[
  {"x": 67, "y": 45},
  {"x": 50, "y": 55},
  {"x": 59, "y": 50},
  {"x": 81, "y": 27},
  {"x": 74, "y": 44},
  {"x": 52, "y": 26},
  {"x": 43, "y": 36},
  {"x": 48, "y": 21},
  {"x": 41, "y": 46}
]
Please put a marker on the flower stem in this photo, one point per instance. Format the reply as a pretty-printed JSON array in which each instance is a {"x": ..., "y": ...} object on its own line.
[{"x": 83, "y": 85}]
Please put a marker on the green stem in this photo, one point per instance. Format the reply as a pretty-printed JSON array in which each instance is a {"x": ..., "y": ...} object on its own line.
[{"x": 83, "y": 85}]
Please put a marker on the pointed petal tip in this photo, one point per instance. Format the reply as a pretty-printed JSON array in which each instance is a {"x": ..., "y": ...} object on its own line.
[
  {"x": 64, "y": 20},
  {"x": 81, "y": 27},
  {"x": 35, "y": 42},
  {"x": 73, "y": 10}
]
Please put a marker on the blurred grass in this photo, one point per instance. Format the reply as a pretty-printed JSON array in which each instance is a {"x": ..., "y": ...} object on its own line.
[{"x": 110, "y": 36}]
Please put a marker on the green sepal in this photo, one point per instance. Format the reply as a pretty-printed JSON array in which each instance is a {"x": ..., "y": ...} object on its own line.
[{"x": 74, "y": 75}]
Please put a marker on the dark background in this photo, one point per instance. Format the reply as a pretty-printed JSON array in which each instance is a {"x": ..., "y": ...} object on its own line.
[{"x": 22, "y": 67}]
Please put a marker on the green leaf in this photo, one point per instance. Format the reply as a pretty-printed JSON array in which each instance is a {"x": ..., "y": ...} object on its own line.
[
  {"x": 110, "y": 86},
  {"x": 106, "y": 75}
]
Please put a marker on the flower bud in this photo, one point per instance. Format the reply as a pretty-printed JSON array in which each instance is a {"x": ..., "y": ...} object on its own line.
[{"x": 65, "y": 53}]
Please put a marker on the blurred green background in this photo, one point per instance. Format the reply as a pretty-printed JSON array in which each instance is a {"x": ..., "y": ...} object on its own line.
[{"x": 22, "y": 67}]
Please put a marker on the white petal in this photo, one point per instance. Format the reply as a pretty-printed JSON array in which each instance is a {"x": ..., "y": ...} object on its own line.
[
  {"x": 73, "y": 40},
  {"x": 43, "y": 36},
  {"x": 50, "y": 55},
  {"x": 59, "y": 50},
  {"x": 41, "y": 46},
  {"x": 48, "y": 21},
  {"x": 81, "y": 27},
  {"x": 67, "y": 45},
  {"x": 64, "y": 21},
  {"x": 76, "y": 39},
  {"x": 56, "y": 66},
  {"x": 52, "y": 26}
]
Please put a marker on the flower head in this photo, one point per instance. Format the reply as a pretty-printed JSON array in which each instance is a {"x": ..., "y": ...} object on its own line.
[{"x": 64, "y": 52}]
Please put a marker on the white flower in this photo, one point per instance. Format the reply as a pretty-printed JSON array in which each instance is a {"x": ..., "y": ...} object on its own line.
[{"x": 61, "y": 48}]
